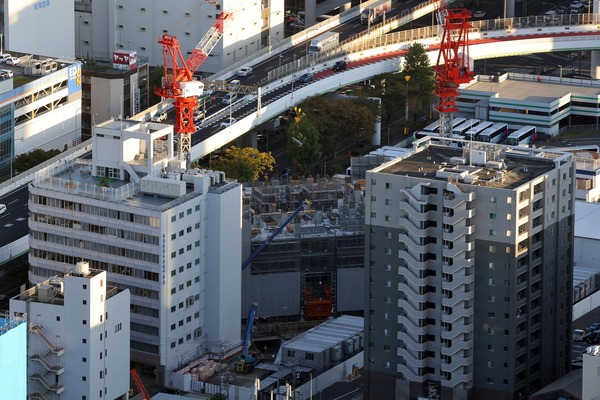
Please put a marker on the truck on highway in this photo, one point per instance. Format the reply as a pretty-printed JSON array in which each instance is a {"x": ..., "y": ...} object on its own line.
[
  {"x": 375, "y": 11},
  {"x": 324, "y": 42}
]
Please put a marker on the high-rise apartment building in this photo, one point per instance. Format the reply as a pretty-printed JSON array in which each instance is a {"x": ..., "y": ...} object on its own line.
[
  {"x": 78, "y": 330},
  {"x": 469, "y": 271},
  {"x": 170, "y": 235}
]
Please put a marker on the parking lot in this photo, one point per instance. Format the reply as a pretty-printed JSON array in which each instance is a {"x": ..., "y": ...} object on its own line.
[{"x": 582, "y": 323}]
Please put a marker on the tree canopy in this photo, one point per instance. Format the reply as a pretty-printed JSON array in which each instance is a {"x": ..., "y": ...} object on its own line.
[
  {"x": 421, "y": 84},
  {"x": 341, "y": 122},
  {"x": 303, "y": 143},
  {"x": 244, "y": 164},
  {"x": 23, "y": 162}
]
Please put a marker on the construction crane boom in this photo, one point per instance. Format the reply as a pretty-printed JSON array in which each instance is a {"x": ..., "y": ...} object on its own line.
[
  {"x": 178, "y": 78},
  {"x": 140, "y": 386},
  {"x": 277, "y": 232}
]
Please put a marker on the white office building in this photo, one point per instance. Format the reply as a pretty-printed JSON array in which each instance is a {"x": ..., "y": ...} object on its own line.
[
  {"x": 78, "y": 328},
  {"x": 44, "y": 113},
  {"x": 170, "y": 235},
  {"x": 39, "y": 27},
  {"x": 104, "y": 26}
]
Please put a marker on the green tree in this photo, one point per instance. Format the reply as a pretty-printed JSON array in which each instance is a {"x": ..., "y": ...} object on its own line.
[
  {"x": 421, "y": 84},
  {"x": 303, "y": 143},
  {"x": 341, "y": 122},
  {"x": 244, "y": 164},
  {"x": 23, "y": 162}
]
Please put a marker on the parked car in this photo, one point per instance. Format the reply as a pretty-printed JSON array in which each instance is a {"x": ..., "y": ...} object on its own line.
[
  {"x": 479, "y": 14},
  {"x": 229, "y": 98},
  {"x": 340, "y": 65},
  {"x": 3, "y": 57},
  {"x": 198, "y": 115},
  {"x": 594, "y": 337},
  {"x": 2, "y": 208},
  {"x": 7, "y": 72},
  {"x": 594, "y": 327},
  {"x": 12, "y": 61},
  {"x": 561, "y": 10},
  {"x": 228, "y": 122},
  {"x": 307, "y": 77},
  {"x": 245, "y": 71},
  {"x": 579, "y": 335}
]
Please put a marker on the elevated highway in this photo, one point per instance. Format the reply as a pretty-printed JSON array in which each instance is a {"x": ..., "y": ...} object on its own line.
[{"x": 380, "y": 50}]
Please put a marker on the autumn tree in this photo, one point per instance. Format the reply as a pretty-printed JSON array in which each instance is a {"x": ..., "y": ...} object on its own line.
[
  {"x": 303, "y": 143},
  {"x": 244, "y": 164}
]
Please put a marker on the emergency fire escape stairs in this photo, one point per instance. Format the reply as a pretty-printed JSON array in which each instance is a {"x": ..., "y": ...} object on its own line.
[{"x": 53, "y": 371}]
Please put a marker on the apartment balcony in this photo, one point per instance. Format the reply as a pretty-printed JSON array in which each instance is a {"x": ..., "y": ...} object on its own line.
[
  {"x": 410, "y": 259},
  {"x": 454, "y": 233},
  {"x": 454, "y": 216},
  {"x": 457, "y": 364},
  {"x": 408, "y": 227},
  {"x": 409, "y": 212},
  {"x": 410, "y": 373},
  {"x": 454, "y": 249},
  {"x": 455, "y": 197},
  {"x": 411, "y": 359}
]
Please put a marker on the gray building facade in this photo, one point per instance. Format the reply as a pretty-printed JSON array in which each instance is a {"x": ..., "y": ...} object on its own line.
[{"x": 469, "y": 258}]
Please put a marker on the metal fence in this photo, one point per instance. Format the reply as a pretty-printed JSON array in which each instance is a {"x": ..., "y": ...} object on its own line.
[{"x": 586, "y": 288}]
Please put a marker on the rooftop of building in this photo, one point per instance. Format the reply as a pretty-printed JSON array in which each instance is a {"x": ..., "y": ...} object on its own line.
[
  {"x": 51, "y": 291},
  {"x": 532, "y": 90},
  {"x": 8, "y": 322},
  {"x": 328, "y": 334},
  {"x": 149, "y": 148},
  {"x": 481, "y": 164}
]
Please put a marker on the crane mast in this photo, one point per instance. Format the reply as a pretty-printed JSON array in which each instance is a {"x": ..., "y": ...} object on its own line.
[
  {"x": 178, "y": 78},
  {"x": 453, "y": 65}
]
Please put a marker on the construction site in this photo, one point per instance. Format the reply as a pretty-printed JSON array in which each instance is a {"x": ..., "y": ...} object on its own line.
[{"x": 313, "y": 268}]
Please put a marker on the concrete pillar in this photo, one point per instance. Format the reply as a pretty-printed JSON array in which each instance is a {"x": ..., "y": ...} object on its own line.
[
  {"x": 509, "y": 8},
  {"x": 310, "y": 9},
  {"x": 346, "y": 7},
  {"x": 595, "y": 57}
]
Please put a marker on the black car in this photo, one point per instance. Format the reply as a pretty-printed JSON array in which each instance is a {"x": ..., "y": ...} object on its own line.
[
  {"x": 339, "y": 65},
  {"x": 306, "y": 77},
  {"x": 594, "y": 337}
]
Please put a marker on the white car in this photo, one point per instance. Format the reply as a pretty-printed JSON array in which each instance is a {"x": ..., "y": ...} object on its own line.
[
  {"x": 479, "y": 14},
  {"x": 228, "y": 122},
  {"x": 2, "y": 208},
  {"x": 4, "y": 56},
  {"x": 245, "y": 71},
  {"x": 12, "y": 61},
  {"x": 198, "y": 115}
]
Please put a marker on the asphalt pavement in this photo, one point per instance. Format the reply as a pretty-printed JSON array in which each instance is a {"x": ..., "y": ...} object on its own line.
[{"x": 582, "y": 323}]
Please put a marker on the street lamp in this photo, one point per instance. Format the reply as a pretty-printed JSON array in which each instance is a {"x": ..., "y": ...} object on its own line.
[
  {"x": 560, "y": 73},
  {"x": 407, "y": 77},
  {"x": 278, "y": 45}
]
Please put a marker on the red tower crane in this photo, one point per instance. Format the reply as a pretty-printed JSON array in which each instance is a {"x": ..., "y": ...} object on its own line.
[
  {"x": 452, "y": 67},
  {"x": 178, "y": 82},
  {"x": 140, "y": 386}
]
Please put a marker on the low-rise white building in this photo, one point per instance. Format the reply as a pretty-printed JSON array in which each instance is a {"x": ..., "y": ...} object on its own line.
[{"x": 78, "y": 344}]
